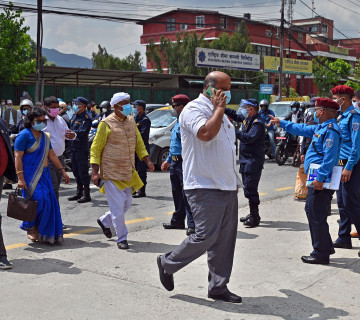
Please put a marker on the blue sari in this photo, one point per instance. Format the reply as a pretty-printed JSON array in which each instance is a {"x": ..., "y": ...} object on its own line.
[{"x": 39, "y": 187}]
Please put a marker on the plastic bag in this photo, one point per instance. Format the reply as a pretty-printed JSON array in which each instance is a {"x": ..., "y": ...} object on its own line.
[{"x": 301, "y": 190}]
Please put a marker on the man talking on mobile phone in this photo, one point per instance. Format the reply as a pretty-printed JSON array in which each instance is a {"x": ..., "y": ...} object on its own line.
[{"x": 113, "y": 152}]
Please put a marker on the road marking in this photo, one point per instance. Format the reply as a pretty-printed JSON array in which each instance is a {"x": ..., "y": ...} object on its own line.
[
  {"x": 75, "y": 233},
  {"x": 262, "y": 194},
  {"x": 285, "y": 188},
  {"x": 169, "y": 213}
]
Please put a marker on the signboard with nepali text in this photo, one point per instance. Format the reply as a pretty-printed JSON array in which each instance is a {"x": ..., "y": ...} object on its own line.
[
  {"x": 226, "y": 59},
  {"x": 339, "y": 50},
  {"x": 290, "y": 66}
]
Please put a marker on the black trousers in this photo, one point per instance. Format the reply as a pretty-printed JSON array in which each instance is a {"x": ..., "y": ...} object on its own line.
[
  {"x": 141, "y": 168},
  {"x": 80, "y": 167},
  {"x": 2, "y": 246},
  {"x": 316, "y": 208},
  {"x": 251, "y": 184}
]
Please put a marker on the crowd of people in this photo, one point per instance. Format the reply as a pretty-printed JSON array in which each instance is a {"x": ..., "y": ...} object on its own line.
[{"x": 202, "y": 163}]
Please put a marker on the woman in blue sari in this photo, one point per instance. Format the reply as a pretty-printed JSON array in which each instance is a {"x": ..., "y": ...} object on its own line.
[{"x": 32, "y": 152}]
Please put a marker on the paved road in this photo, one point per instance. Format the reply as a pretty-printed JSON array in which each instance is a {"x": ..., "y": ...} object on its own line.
[{"x": 277, "y": 181}]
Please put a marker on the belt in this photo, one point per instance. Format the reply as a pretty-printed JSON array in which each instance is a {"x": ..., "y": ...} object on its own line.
[
  {"x": 343, "y": 162},
  {"x": 176, "y": 158}
]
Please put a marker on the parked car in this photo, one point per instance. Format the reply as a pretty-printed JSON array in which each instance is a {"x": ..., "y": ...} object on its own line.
[
  {"x": 162, "y": 122},
  {"x": 150, "y": 107},
  {"x": 281, "y": 108}
]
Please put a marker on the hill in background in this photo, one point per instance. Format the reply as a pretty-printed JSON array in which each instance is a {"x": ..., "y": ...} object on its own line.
[{"x": 66, "y": 60}]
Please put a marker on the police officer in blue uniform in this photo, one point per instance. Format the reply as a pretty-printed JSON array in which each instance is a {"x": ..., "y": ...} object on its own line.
[
  {"x": 80, "y": 124},
  {"x": 174, "y": 161},
  {"x": 252, "y": 157},
  {"x": 265, "y": 113},
  {"x": 143, "y": 124},
  {"x": 348, "y": 196},
  {"x": 324, "y": 150}
]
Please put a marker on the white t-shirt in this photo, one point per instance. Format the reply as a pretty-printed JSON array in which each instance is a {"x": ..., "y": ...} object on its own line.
[{"x": 212, "y": 164}]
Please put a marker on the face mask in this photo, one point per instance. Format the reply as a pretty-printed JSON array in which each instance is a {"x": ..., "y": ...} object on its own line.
[
  {"x": 127, "y": 108},
  {"x": 54, "y": 112},
  {"x": 9, "y": 107},
  {"x": 300, "y": 109},
  {"x": 355, "y": 104},
  {"x": 75, "y": 107},
  {"x": 244, "y": 113},
  {"x": 39, "y": 126},
  {"x": 173, "y": 113},
  {"x": 2, "y": 103},
  {"x": 25, "y": 112},
  {"x": 135, "y": 111},
  {"x": 293, "y": 109},
  {"x": 104, "y": 110},
  {"x": 228, "y": 96},
  {"x": 316, "y": 119},
  {"x": 69, "y": 107}
]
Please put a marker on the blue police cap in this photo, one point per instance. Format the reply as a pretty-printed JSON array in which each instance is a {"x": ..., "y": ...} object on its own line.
[
  {"x": 141, "y": 103},
  {"x": 82, "y": 100}
]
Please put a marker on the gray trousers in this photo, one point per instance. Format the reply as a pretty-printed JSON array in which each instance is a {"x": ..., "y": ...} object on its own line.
[
  {"x": 2, "y": 246},
  {"x": 215, "y": 214},
  {"x": 56, "y": 176}
]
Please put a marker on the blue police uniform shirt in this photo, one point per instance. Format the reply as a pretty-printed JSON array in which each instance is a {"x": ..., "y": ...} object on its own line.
[
  {"x": 350, "y": 138},
  {"x": 324, "y": 147},
  {"x": 81, "y": 125},
  {"x": 265, "y": 116},
  {"x": 175, "y": 142}
]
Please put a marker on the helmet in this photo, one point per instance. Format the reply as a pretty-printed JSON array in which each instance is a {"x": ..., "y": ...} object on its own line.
[
  {"x": 105, "y": 104},
  {"x": 264, "y": 102},
  {"x": 26, "y": 102},
  {"x": 295, "y": 104},
  {"x": 303, "y": 105}
]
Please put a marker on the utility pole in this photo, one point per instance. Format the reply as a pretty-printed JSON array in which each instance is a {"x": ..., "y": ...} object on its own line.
[
  {"x": 38, "y": 51},
  {"x": 281, "y": 49}
]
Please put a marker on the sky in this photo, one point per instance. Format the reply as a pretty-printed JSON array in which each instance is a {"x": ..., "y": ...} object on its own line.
[{"x": 81, "y": 36}]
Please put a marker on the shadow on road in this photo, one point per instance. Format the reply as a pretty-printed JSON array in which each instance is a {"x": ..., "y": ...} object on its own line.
[
  {"x": 244, "y": 235},
  {"x": 352, "y": 264},
  {"x": 293, "y": 306},
  {"x": 150, "y": 247},
  {"x": 43, "y": 266},
  {"x": 285, "y": 225},
  {"x": 160, "y": 198}
]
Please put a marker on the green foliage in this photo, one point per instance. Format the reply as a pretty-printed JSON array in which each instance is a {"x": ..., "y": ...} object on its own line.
[
  {"x": 179, "y": 56},
  {"x": 292, "y": 92},
  {"x": 33, "y": 52},
  {"x": 103, "y": 60},
  {"x": 15, "y": 49},
  {"x": 325, "y": 79},
  {"x": 352, "y": 84}
]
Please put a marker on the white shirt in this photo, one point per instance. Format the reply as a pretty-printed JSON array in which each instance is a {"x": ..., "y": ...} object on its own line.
[
  {"x": 212, "y": 164},
  {"x": 57, "y": 130},
  {"x": 294, "y": 117}
]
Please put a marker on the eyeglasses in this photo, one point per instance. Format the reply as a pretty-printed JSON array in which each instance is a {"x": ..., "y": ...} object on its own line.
[
  {"x": 41, "y": 121},
  {"x": 176, "y": 105}
]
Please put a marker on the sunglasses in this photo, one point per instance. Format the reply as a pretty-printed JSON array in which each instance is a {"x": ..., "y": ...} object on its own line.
[{"x": 41, "y": 121}]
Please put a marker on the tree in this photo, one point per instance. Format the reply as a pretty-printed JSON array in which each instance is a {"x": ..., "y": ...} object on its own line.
[
  {"x": 353, "y": 84},
  {"x": 103, "y": 60},
  {"x": 15, "y": 49},
  {"x": 324, "y": 78}
]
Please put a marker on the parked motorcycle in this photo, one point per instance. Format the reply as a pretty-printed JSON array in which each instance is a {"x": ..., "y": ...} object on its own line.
[{"x": 287, "y": 145}]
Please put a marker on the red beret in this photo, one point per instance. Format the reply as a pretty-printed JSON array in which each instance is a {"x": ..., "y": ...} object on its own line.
[
  {"x": 343, "y": 90},
  {"x": 327, "y": 103},
  {"x": 180, "y": 99}
]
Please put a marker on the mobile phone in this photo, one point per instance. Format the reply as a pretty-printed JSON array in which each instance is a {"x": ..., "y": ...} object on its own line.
[
  {"x": 100, "y": 183},
  {"x": 209, "y": 91}
]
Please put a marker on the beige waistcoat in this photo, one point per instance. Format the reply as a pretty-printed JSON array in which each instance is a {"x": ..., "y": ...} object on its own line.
[{"x": 118, "y": 156}]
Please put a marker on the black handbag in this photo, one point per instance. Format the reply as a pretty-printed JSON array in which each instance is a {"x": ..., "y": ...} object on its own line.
[{"x": 21, "y": 208}]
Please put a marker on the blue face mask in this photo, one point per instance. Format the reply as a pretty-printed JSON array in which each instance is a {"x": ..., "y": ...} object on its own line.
[
  {"x": 39, "y": 126},
  {"x": 228, "y": 96},
  {"x": 316, "y": 119},
  {"x": 135, "y": 111},
  {"x": 9, "y": 107},
  {"x": 127, "y": 108},
  {"x": 25, "y": 112},
  {"x": 69, "y": 107},
  {"x": 244, "y": 113},
  {"x": 75, "y": 107},
  {"x": 293, "y": 109}
]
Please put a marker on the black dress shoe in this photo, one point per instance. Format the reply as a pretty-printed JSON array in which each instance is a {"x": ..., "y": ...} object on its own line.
[
  {"x": 226, "y": 296},
  {"x": 75, "y": 197},
  {"x": 340, "y": 245},
  {"x": 243, "y": 219},
  {"x": 190, "y": 231},
  {"x": 167, "y": 280},
  {"x": 314, "y": 260},
  {"x": 123, "y": 245},
  {"x": 332, "y": 251},
  {"x": 252, "y": 222},
  {"x": 173, "y": 226},
  {"x": 106, "y": 231},
  {"x": 84, "y": 199},
  {"x": 7, "y": 186}
]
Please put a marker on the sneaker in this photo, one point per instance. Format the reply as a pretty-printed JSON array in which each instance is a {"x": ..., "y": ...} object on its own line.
[{"x": 4, "y": 263}]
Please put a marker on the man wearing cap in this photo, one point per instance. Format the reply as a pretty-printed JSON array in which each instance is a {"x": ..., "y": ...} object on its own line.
[
  {"x": 252, "y": 154},
  {"x": 175, "y": 161},
  {"x": 143, "y": 123},
  {"x": 113, "y": 152},
  {"x": 348, "y": 195},
  {"x": 323, "y": 150},
  {"x": 80, "y": 125}
]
